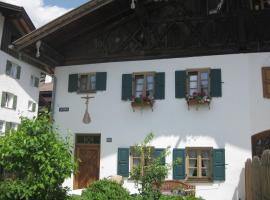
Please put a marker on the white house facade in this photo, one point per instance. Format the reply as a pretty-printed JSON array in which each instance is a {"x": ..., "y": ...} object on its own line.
[
  {"x": 196, "y": 76},
  {"x": 19, "y": 80},
  {"x": 228, "y": 124}
]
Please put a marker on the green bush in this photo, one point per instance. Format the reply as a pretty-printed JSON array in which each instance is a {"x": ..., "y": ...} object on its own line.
[
  {"x": 75, "y": 197},
  {"x": 36, "y": 162},
  {"x": 105, "y": 190}
]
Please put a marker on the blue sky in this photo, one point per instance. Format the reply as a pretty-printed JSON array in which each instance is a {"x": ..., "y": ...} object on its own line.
[{"x": 65, "y": 3}]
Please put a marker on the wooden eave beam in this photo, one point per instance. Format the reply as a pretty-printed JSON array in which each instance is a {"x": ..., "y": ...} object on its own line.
[{"x": 59, "y": 23}]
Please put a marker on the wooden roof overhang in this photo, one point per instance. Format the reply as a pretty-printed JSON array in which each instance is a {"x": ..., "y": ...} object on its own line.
[
  {"x": 109, "y": 30},
  {"x": 62, "y": 30},
  {"x": 18, "y": 17}
]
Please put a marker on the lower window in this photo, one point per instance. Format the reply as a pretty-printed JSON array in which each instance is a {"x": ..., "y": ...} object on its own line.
[
  {"x": 198, "y": 163},
  {"x": 136, "y": 159}
]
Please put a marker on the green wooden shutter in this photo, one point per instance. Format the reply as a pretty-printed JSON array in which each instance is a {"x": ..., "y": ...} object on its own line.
[
  {"x": 101, "y": 81},
  {"x": 158, "y": 153},
  {"x": 219, "y": 164},
  {"x": 73, "y": 82},
  {"x": 180, "y": 84},
  {"x": 14, "y": 102},
  {"x": 3, "y": 101},
  {"x": 216, "y": 83},
  {"x": 36, "y": 82},
  {"x": 160, "y": 85},
  {"x": 18, "y": 75},
  {"x": 34, "y": 107},
  {"x": 8, "y": 67},
  {"x": 123, "y": 162},
  {"x": 126, "y": 87},
  {"x": 179, "y": 168}
]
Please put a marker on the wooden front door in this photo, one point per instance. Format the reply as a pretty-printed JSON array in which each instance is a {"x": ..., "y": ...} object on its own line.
[{"x": 88, "y": 167}]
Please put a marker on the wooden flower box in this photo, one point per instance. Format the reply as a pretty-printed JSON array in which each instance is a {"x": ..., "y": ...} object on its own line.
[
  {"x": 142, "y": 105},
  {"x": 197, "y": 103}
]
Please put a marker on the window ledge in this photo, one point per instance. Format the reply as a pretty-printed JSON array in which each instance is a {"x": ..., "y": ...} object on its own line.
[{"x": 199, "y": 180}]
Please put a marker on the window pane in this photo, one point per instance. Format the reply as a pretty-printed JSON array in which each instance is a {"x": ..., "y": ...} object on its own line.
[
  {"x": 204, "y": 75},
  {"x": 205, "y": 163},
  {"x": 139, "y": 87},
  {"x": 205, "y": 154},
  {"x": 193, "y": 84},
  {"x": 136, "y": 162},
  {"x": 192, "y": 154},
  {"x": 204, "y": 84},
  {"x": 192, "y": 171},
  {"x": 92, "y": 82},
  {"x": 205, "y": 91},
  {"x": 150, "y": 86},
  {"x": 150, "y": 79},
  {"x": 193, "y": 77},
  {"x": 205, "y": 172},
  {"x": 83, "y": 82},
  {"x": 139, "y": 80},
  {"x": 193, "y": 163}
]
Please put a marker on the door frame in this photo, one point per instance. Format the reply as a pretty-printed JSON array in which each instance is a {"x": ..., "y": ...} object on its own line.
[{"x": 75, "y": 182}]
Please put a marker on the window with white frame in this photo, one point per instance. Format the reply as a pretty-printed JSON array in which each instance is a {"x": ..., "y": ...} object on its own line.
[
  {"x": 31, "y": 106},
  {"x": 34, "y": 81},
  {"x": 87, "y": 82},
  {"x": 13, "y": 70},
  {"x": 9, "y": 100}
]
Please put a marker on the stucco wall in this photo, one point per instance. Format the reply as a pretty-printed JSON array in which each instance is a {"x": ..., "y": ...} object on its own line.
[
  {"x": 228, "y": 124},
  {"x": 21, "y": 88}
]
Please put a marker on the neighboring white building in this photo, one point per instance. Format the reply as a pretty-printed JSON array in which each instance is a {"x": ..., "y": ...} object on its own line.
[
  {"x": 117, "y": 55},
  {"x": 19, "y": 80}
]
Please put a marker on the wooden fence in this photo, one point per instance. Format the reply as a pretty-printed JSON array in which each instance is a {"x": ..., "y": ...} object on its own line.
[{"x": 257, "y": 176}]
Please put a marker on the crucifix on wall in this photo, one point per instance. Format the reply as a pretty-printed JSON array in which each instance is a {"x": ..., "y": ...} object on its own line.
[{"x": 86, "y": 117}]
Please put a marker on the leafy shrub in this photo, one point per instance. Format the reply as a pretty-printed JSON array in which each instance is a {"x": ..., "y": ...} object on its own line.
[
  {"x": 149, "y": 178},
  {"x": 105, "y": 190},
  {"x": 36, "y": 162},
  {"x": 75, "y": 197}
]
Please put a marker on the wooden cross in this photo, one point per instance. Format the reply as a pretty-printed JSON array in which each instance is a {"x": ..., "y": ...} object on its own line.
[{"x": 86, "y": 117}]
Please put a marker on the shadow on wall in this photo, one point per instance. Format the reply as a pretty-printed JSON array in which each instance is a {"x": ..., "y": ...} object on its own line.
[{"x": 239, "y": 193}]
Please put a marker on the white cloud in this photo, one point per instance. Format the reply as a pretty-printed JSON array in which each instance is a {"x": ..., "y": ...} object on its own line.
[{"x": 39, "y": 13}]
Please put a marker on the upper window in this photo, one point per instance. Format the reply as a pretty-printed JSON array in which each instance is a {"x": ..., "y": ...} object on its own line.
[
  {"x": 87, "y": 82},
  {"x": 266, "y": 81},
  {"x": 13, "y": 70},
  {"x": 143, "y": 84},
  {"x": 198, "y": 162},
  {"x": 34, "y": 82},
  {"x": 198, "y": 82},
  {"x": 9, "y": 100}
]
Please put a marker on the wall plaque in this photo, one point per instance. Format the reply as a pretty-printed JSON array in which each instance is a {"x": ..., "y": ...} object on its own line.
[{"x": 64, "y": 109}]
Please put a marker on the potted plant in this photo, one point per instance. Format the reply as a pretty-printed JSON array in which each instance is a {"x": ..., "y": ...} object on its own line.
[
  {"x": 142, "y": 101},
  {"x": 197, "y": 99}
]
